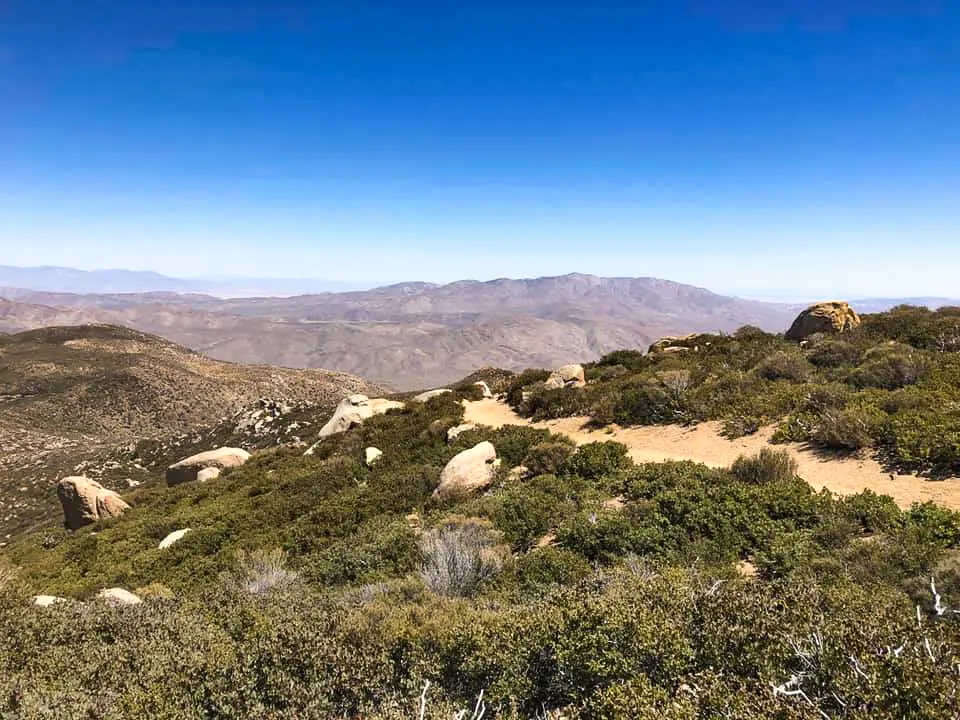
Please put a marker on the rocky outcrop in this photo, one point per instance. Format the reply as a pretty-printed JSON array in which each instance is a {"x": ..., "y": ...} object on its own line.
[
  {"x": 455, "y": 432},
  {"x": 172, "y": 538},
  {"x": 353, "y": 410},
  {"x": 566, "y": 376},
  {"x": 118, "y": 596},
  {"x": 485, "y": 390},
  {"x": 826, "y": 317},
  {"x": 189, "y": 469},
  {"x": 371, "y": 456},
  {"x": 679, "y": 343},
  {"x": 86, "y": 501},
  {"x": 471, "y": 470},
  {"x": 430, "y": 394}
]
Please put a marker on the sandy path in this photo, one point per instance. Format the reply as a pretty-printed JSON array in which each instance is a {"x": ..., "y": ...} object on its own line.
[{"x": 701, "y": 443}]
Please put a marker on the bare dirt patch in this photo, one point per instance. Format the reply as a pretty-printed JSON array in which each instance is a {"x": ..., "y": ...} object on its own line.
[{"x": 844, "y": 475}]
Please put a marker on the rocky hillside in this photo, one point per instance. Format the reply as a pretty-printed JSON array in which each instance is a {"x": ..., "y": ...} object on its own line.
[
  {"x": 417, "y": 334},
  {"x": 72, "y": 394}
]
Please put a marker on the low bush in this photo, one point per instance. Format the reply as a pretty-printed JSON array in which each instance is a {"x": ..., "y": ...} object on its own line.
[
  {"x": 850, "y": 429},
  {"x": 460, "y": 555},
  {"x": 263, "y": 570},
  {"x": 784, "y": 365},
  {"x": 766, "y": 467},
  {"x": 548, "y": 458}
]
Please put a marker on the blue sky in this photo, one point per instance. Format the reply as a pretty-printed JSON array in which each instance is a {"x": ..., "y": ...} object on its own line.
[{"x": 769, "y": 149}]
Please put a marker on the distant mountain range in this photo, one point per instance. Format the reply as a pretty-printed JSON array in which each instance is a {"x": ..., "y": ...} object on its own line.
[
  {"x": 63, "y": 279},
  {"x": 409, "y": 335}
]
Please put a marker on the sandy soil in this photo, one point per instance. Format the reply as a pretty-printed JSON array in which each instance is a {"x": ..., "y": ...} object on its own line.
[{"x": 702, "y": 443}]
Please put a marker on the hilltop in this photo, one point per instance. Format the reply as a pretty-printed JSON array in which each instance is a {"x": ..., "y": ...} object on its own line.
[{"x": 70, "y": 394}]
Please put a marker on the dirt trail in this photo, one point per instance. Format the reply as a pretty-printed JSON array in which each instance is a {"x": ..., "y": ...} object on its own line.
[{"x": 702, "y": 443}]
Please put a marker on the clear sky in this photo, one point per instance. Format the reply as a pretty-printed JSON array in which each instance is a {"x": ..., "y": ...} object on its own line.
[{"x": 765, "y": 148}]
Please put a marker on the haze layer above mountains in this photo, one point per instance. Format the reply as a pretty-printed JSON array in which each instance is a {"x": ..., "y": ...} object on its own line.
[{"x": 411, "y": 335}]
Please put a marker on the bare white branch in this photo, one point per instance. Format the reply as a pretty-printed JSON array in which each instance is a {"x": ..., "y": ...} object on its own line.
[{"x": 423, "y": 700}]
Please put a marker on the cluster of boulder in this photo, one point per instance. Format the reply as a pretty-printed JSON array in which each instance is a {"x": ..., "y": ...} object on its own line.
[
  {"x": 566, "y": 376},
  {"x": 828, "y": 318},
  {"x": 679, "y": 344}
]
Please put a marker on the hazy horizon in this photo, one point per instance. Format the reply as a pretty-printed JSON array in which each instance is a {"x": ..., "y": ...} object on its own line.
[{"x": 807, "y": 150}]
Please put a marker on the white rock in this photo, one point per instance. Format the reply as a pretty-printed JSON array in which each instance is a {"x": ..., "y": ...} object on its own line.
[
  {"x": 455, "y": 432},
  {"x": 210, "y": 473},
  {"x": 473, "y": 469},
  {"x": 371, "y": 456},
  {"x": 118, "y": 596},
  {"x": 172, "y": 538},
  {"x": 188, "y": 469},
  {"x": 353, "y": 410},
  {"x": 47, "y": 600},
  {"x": 430, "y": 394}
]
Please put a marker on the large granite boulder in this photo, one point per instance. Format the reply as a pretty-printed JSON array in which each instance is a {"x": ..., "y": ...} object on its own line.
[
  {"x": 430, "y": 394},
  {"x": 86, "y": 501},
  {"x": 679, "y": 343},
  {"x": 471, "y": 470},
  {"x": 566, "y": 376},
  {"x": 826, "y": 317},
  {"x": 189, "y": 469},
  {"x": 118, "y": 596},
  {"x": 353, "y": 410}
]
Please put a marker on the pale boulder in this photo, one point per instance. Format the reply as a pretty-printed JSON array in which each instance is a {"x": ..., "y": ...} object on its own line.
[
  {"x": 86, "y": 501},
  {"x": 118, "y": 596},
  {"x": 680, "y": 343},
  {"x": 172, "y": 538},
  {"x": 47, "y": 600},
  {"x": 566, "y": 376},
  {"x": 371, "y": 456},
  {"x": 188, "y": 469},
  {"x": 210, "y": 473},
  {"x": 430, "y": 394},
  {"x": 455, "y": 432},
  {"x": 470, "y": 470},
  {"x": 353, "y": 410}
]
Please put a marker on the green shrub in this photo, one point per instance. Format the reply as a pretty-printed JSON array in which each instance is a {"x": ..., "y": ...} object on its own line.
[
  {"x": 547, "y": 404},
  {"x": 784, "y": 365},
  {"x": 597, "y": 460},
  {"x": 833, "y": 353},
  {"x": 548, "y": 458},
  {"x": 850, "y": 429},
  {"x": 889, "y": 368},
  {"x": 542, "y": 567},
  {"x": 925, "y": 440},
  {"x": 632, "y": 360}
]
